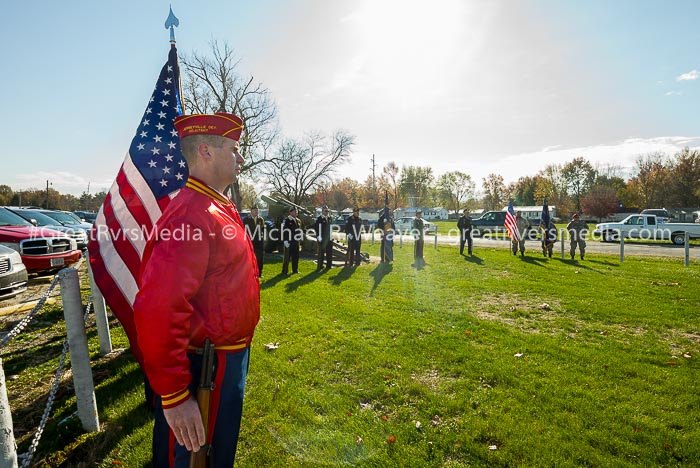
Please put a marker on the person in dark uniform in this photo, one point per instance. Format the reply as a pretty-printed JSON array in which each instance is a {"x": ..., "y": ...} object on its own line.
[
  {"x": 465, "y": 232},
  {"x": 549, "y": 237},
  {"x": 292, "y": 234},
  {"x": 353, "y": 228},
  {"x": 323, "y": 236},
  {"x": 419, "y": 236},
  {"x": 255, "y": 229},
  {"x": 388, "y": 228}
]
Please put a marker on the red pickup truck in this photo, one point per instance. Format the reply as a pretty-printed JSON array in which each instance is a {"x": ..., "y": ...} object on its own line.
[{"x": 42, "y": 250}]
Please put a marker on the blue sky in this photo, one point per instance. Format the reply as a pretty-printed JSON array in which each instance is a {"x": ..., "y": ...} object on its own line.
[{"x": 479, "y": 86}]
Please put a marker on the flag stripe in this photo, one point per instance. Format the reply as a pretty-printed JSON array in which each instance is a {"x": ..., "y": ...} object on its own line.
[
  {"x": 130, "y": 213},
  {"x": 140, "y": 186},
  {"x": 115, "y": 265},
  {"x": 119, "y": 240}
]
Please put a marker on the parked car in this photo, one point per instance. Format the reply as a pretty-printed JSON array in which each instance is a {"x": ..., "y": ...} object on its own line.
[
  {"x": 68, "y": 219},
  {"x": 662, "y": 214},
  {"x": 647, "y": 227},
  {"x": 87, "y": 216},
  {"x": 405, "y": 225},
  {"x": 13, "y": 273},
  {"x": 37, "y": 218},
  {"x": 493, "y": 222},
  {"x": 41, "y": 249}
]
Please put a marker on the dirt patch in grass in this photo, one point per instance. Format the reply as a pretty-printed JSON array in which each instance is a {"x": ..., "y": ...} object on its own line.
[{"x": 527, "y": 314}]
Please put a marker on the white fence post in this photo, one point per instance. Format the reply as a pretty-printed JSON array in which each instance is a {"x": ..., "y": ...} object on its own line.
[
  {"x": 8, "y": 447},
  {"x": 435, "y": 239},
  {"x": 401, "y": 240},
  {"x": 622, "y": 248},
  {"x": 561, "y": 236},
  {"x": 79, "y": 354},
  {"x": 687, "y": 248},
  {"x": 372, "y": 236},
  {"x": 98, "y": 303}
]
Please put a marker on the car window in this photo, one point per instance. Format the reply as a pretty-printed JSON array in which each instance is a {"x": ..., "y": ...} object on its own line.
[
  {"x": 8, "y": 218},
  {"x": 41, "y": 219},
  {"x": 61, "y": 217}
]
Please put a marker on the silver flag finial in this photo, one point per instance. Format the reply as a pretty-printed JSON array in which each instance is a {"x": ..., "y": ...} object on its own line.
[{"x": 171, "y": 23}]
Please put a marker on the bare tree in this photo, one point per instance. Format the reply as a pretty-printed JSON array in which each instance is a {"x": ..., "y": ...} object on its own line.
[
  {"x": 391, "y": 171},
  {"x": 212, "y": 84},
  {"x": 300, "y": 166}
]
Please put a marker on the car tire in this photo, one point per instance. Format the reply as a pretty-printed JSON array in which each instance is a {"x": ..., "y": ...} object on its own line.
[{"x": 678, "y": 238}]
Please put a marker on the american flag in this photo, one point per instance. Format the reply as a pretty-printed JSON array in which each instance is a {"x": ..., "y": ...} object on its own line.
[
  {"x": 510, "y": 224},
  {"x": 153, "y": 171}
]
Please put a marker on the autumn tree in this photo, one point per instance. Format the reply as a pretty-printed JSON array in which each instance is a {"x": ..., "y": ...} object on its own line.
[
  {"x": 685, "y": 179},
  {"x": 552, "y": 186},
  {"x": 522, "y": 192},
  {"x": 415, "y": 184},
  {"x": 455, "y": 188},
  {"x": 579, "y": 176},
  {"x": 494, "y": 190},
  {"x": 651, "y": 180},
  {"x": 601, "y": 201},
  {"x": 6, "y": 194}
]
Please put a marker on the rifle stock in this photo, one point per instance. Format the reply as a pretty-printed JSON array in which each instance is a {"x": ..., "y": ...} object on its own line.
[{"x": 206, "y": 384}]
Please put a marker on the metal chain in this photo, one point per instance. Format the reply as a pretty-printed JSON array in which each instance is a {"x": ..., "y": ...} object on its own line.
[
  {"x": 30, "y": 316},
  {"x": 29, "y": 455}
]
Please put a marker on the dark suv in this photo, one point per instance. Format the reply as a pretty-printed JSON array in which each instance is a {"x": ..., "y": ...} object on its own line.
[
  {"x": 661, "y": 214},
  {"x": 493, "y": 222}
]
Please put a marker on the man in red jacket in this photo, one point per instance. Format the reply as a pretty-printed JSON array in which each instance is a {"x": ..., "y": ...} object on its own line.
[{"x": 199, "y": 281}]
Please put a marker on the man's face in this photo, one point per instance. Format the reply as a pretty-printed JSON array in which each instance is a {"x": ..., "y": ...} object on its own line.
[
  {"x": 419, "y": 215},
  {"x": 254, "y": 212},
  {"x": 324, "y": 212},
  {"x": 355, "y": 214},
  {"x": 293, "y": 213},
  {"x": 228, "y": 160}
]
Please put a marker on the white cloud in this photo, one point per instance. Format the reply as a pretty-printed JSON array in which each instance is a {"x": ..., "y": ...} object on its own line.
[
  {"x": 674, "y": 93},
  {"x": 690, "y": 76}
]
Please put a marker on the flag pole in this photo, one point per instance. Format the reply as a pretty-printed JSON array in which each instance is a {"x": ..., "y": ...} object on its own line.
[{"x": 171, "y": 23}]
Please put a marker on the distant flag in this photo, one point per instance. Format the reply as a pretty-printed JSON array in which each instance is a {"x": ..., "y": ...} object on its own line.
[
  {"x": 510, "y": 224},
  {"x": 545, "y": 214},
  {"x": 151, "y": 174}
]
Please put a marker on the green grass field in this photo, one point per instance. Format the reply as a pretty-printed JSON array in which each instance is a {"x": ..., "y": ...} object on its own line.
[{"x": 490, "y": 360}]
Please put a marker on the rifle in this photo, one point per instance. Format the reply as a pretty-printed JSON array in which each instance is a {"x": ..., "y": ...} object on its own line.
[{"x": 206, "y": 385}]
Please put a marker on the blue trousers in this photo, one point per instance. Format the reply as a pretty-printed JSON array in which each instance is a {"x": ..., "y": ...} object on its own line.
[{"x": 225, "y": 414}]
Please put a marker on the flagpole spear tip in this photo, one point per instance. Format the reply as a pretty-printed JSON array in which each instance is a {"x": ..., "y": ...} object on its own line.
[{"x": 171, "y": 23}]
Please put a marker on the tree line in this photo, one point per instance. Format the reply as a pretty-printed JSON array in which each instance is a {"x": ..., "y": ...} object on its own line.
[{"x": 51, "y": 199}]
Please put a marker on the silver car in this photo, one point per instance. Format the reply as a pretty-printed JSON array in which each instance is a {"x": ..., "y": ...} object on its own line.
[{"x": 13, "y": 273}]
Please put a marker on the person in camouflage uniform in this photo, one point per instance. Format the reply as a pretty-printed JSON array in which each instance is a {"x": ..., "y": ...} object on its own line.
[{"x": 578, "y": 229}]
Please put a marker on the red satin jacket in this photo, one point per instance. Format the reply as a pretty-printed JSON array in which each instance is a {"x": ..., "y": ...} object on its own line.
[{"x": 198, "y": 280}]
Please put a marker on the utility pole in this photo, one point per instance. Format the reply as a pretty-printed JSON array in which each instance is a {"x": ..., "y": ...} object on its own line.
[
  {"x": 374, "y": 182},
  {"x": 47, "y": 195}
]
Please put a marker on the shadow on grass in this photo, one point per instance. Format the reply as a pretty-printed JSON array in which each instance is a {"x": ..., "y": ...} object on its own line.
[
  {"x": 579, "y": 264},
  {"x": 533, "y": 260},
  {"x": 57, "y": 444},
  {"x": 474, "y": 259},
  {"x": 379, "y": 273},
  {"x": 294, "y": 285},
  {"x": 344, "y": 274},
  {"x": 604, "y": 262}
]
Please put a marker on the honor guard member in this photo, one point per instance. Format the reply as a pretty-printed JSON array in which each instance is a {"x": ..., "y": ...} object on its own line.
[
  {"x": 464, "y": 224},
  {"x": 419, "y": 239},
  {"x": 353, "y": 228},
  {"x": 197, "y": 287},
  {"x": 578, "y": 229},
  {"x": 324, "y": 241},
  {"x": 255, "y": 228},
  {"x": 388, "y": 227},
  {"x": 522, "y": 226},
  {"x": 549, "y": 237},
  {"x": 292, "y": 234}
]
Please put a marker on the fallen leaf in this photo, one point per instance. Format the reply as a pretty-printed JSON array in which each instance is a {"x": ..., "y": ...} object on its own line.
[
  {"x": 435, "y": 421},
  {"x": 358, "y": 441},
  {"x": 493, "y": 447},
  {"x": 468, "y": 332},
  {"x": 385, "y": 417},
  {"x": 391, "y": 439},
  {"x": 544, "y": 306},
  {"x": 271, "y": 346},
  {"x": 518, "y": 355},
  {"x": 365, "y": 406},
  {"x": 418, "y": 425},
  {"x": 686, "y": 355}
]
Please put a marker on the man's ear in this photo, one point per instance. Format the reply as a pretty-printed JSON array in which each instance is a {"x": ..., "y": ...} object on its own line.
[{"x": 203, "y": 151}]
